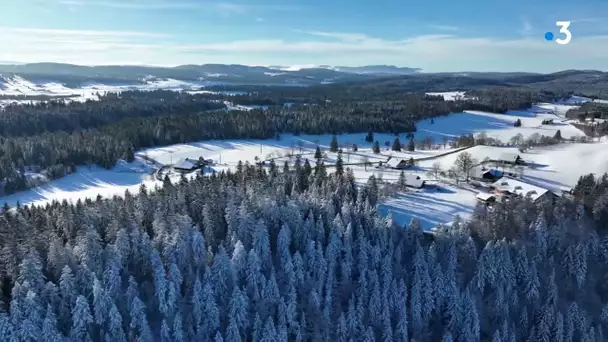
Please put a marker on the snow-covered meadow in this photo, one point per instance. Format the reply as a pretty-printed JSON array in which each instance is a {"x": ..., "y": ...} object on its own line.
[
  {"x": 556, "y": 167},
  {"x": 18, "y": 86}
]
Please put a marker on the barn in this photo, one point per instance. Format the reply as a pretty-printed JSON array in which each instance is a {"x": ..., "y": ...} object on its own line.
[
  {"x": 186, "y": 165},
  {"x": 414, "y": 181},
  {"x": 486, "y": 175}
]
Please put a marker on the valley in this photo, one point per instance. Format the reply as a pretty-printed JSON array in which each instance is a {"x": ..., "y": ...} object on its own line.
[{"x": 557, "y": 167}]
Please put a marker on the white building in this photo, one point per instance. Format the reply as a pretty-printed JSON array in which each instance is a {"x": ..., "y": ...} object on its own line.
[{"x": 397, "y": 163}]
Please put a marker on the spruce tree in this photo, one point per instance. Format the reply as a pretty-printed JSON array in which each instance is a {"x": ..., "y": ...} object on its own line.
[
  {"x": 558, "y": 135},
  {"x": 130, "y": 154},
  {"x": 376, "y": 147},
  {"x": 333, "y": 145},
  {"x": 396, "y": 145},
  {"x": 402, "y": 182},
  {"x": 318, "y": 153},
  {"x": 411, "y": 145},
  {"x": 339, "y": 165}
]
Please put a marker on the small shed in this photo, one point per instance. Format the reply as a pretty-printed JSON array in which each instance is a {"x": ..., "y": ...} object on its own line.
[
  {"x": 186, "y": 165},
  {"x": 511, "y": 158},
  {"x": 414, "y": 181}
]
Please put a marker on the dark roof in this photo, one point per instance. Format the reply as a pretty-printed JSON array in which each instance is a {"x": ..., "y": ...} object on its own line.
[{"x": 494, "y": 172}]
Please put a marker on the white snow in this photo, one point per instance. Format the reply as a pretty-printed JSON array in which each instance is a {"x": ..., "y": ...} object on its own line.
[
  {"x": 209, "y": 74},
  {"x": 226, "y": 92},
  {"x": 298, "y": 67},
  {"x": 431, "y": 207},
  {"x": 498, "y": 126},
  {"x": 450, "y": 95},
  {"x": 18, "y": 86},
  {"x": 555, "y": 168},
  {"x": 274, "y": 73},
  {"x": 88, "y": 182}
]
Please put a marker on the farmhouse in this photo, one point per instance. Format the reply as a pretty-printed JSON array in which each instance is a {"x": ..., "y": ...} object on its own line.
[
  {"x": 186, "y": 165},
  {"x": 510, "y": 158},
  {"x": 399, "y": 164},
  {"x": 486, "y": 175},
  {"x": 508, "y": 186}
]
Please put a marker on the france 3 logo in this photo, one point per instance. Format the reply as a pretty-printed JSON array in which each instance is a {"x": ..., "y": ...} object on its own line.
[{"x": 564, "y": 29}]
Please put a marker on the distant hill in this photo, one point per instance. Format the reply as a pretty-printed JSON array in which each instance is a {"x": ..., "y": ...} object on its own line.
[
  {"x": 378, "y": 70},
  {"x": 233, "y": 73},
  {"x": 39, "y": 78}
]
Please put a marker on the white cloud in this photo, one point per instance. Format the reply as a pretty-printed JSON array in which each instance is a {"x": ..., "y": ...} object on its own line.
[
  {"x": 78, "y": 33},
  {"x": 130, "y": 4},
  {"x": 230, "y": 8},
  {"x": 350, "y": 37},
  {"x": 442, "y": 52},
  {"x": 444, "y": 27},
  {"x": 227, "y": 8},
  {"x": 526, "y": 26}
]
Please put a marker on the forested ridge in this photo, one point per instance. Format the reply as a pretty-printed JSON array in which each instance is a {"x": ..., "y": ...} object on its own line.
[
  {"x": 301, "y": 255},
  {"x": 56, "y": 137}
]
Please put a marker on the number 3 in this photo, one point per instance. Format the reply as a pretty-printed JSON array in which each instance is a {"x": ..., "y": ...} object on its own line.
[{"x": 564, "y": 29}]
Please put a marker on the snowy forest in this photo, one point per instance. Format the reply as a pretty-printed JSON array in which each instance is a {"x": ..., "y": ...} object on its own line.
[
  {"x": 56, "y": 137},
  {"x": 301, "y": 255}
]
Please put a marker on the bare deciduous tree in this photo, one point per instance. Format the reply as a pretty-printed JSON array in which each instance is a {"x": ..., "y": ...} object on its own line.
[
  {"x": 464, "y": 163},
  {"x": 365, "y": 162},
  {"x": 436, "y": 170}
]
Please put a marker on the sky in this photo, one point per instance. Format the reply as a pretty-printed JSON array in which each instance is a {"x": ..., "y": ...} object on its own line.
[{"x": 434, "y": 35}]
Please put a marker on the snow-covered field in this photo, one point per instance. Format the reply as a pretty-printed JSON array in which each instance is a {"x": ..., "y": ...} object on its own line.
[
  {"x": 556, "y": 167},
  {"x": 88, "y": 182},
  {"x": 18, "y": 86},
  {"x": 231, "y": 151},
  {"x": 498, "y": 126},
  {"x": 432, "y": 207}
]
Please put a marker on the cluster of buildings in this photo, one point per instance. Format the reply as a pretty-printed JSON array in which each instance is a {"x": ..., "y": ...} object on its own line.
[
  {"x": 506, "y": 187},
  {"x": 504, "y": 184}
]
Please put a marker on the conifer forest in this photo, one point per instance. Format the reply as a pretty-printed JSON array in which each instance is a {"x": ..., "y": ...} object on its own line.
[
  {"x": 286, "y": 252},
  {"x": 301, "y": 255}
]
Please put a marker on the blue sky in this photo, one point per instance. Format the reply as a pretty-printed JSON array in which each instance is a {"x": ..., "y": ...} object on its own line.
[{"x": 435, "y": 35}]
